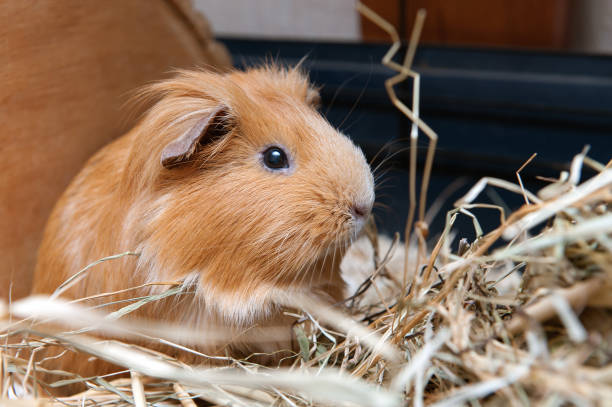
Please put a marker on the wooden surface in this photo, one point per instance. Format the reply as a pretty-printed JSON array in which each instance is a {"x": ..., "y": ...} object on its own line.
[{"x": 502, "y": 23}]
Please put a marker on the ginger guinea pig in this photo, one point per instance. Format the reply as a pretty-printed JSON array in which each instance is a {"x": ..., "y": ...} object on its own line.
[{"x": 233, "y": 184}]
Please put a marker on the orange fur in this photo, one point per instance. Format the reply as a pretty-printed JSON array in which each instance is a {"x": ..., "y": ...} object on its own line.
[{"x": 241, "y": 235}]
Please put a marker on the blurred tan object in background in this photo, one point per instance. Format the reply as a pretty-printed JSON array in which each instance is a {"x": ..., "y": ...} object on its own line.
[{"x": 67, "y": 69}]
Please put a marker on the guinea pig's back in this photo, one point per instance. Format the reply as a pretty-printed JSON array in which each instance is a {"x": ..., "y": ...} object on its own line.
[{"x": 74, "y": 234}]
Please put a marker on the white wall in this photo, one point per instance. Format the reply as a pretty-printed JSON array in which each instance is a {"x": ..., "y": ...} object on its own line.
[{"x": 283, "y": 19}]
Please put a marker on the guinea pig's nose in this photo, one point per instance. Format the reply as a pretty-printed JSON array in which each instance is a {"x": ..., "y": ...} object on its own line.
[{"x": 360, "y": 211}]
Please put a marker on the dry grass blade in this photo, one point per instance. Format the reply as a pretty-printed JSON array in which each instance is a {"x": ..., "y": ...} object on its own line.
[
  {"x": 329, "y": 316},
  {"x": 78, "y": 275},
  {"x": 577, "y": 296},
  {"x": 138, "y": 390},
  {"x": 183, "y": 396},
  {"x": 590, "y": 187},
  {"x": 42, "y": 310},
  {"x": 326, "y": 386},
  {"x": 404, "y": 71}
]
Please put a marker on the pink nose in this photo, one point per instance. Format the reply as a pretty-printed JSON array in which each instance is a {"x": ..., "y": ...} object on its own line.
[{"x": 360, "y": 211}]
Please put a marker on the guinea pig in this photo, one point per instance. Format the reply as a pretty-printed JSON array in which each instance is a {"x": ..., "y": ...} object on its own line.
[{"x": 233, "y": 184}]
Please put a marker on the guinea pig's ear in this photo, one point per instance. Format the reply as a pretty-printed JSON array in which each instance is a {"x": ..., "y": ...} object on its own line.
[
  {"x": 207, "y": 129},
  {"x": 313, "y": 98}
]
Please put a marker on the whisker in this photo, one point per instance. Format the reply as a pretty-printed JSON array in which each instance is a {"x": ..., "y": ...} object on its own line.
[
  {"x": 337, "y": 92},
  {"x": 358, "y": 99},
  {"x": 389, "y": 157}
]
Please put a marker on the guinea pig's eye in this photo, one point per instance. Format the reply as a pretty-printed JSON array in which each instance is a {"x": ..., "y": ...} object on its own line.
[{"x": 275, "y": 158}]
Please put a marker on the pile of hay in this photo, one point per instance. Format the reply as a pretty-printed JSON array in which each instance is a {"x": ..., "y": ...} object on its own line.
[
  {"x": 527, "y": 322},
  {"x": 530, "y": 321}
]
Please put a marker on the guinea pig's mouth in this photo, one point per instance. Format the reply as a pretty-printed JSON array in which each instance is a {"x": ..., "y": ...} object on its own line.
[
  {"x": 355, "y": 224},
  {"x": 360, "y": 213},
  {"x": 358, "y": 227}
]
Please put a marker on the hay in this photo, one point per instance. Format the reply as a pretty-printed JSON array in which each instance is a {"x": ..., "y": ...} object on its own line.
[{"x": 527, "y": 322}]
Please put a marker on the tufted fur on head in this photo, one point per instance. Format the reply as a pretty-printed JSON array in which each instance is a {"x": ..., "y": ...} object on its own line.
[{"x": 190, "y": 190}]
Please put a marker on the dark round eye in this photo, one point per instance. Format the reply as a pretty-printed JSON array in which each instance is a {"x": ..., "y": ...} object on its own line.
[{"x": 275, "y": 158}]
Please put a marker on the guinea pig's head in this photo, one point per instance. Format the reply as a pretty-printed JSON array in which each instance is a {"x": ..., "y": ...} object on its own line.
[{"x": 248, "y": 185}]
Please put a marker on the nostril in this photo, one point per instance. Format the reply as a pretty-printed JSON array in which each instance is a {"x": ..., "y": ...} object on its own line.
[{"x": 360, "y": 211}]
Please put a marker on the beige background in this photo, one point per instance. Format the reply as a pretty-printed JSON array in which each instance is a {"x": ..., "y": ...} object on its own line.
[{"x": 305, "y": 19}]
